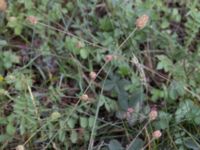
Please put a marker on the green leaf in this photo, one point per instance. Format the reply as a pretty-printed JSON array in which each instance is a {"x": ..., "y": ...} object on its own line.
[
  {"x": 91, "y": 121},
  {"x": 108, "y": 85},
  {"x": 83, "y": 122},
  {"x": 110, "y": 104},
  {"x": 61, "y": 135},
  {"x": 123, "y": 100},
  {"x": 73, "y": 136},
  {"x": 189, "y": 111},
  {"x": 3, "y": 43},
  {"x": 105, "y": 24},
  {"x": 137, "y": 144},
  {"x": 156, "y": 94},
  {"x": 71, "y": 45},
  {"x": 115, "y": 145},
  {"x": 124, "y": 70},
  {"x": 137, "y": 97},
  {"x": 132, "y": 120},
  {"x": 164, "y": 63},
  {"x": 28, "y": 4},
  {"x": 55, "y": 116},
  {"x": 71, "y": 123},
  {"x": 84, "y": 53},
  {"x": 163, "y": 121},
  {"x": 4, "y": 137},
  {"x": 10, "y": 129},
  {"x": 176, "y": 89}
]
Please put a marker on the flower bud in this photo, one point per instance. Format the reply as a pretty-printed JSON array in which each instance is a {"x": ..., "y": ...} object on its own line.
[
  {"x": 130, "y": 110},
  {"x": 80, "y": 44},
  {"x": 108, "y": 58},
  {"x": 84, "y": 97},
  {"x": 20, "y": 147},
  {"x": 93, "y": 75},
  {"x": 142, "y": 21},
  {"x": 153, "y": 115},
  {"x": 3, "y": 5},
  {"x": 32, "y": 19},
  {"x": 157, "y": 134}
]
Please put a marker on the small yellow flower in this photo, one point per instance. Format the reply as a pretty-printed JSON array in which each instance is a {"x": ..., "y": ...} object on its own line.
[
  {"x": 142, "y": 21},
  {"x": 3, "y": 5}
]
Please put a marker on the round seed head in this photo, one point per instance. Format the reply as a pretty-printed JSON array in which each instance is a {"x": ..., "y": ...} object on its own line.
[
  {"x": 32, "y": 20},
  {"x": 153, "y": 115},
  {"x": 142, "y": 21},
  {"x": 108, "y": 58},
  {"x": 84, "y": 97},
  {"x": 93, "y": 75},
  {"x": 20, "y": 147},
  {"x": 157, "y": 134},
  {"x": 3, "y": 5}
]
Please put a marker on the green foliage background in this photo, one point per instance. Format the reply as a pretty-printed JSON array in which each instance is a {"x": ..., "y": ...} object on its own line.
[{"x": 44, "y": 69}]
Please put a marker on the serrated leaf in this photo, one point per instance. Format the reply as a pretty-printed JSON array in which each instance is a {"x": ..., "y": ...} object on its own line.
[
  {"x": 164, "y": 63},
  {"x": 10, "y": 129},
  {"x": 163, "y": 121},
  {"x": 105, "y": 24}
]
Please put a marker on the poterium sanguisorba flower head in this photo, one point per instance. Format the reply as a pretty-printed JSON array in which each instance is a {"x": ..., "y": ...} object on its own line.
[
  {"x": 80, "y": 44},
  {"x": 142, "y": 21},
  {"x": 153, "y": 115},
  {"x": 32, "y": 20},
  {"x": 156, "y": 134},
  {"x": 93, "y": 75},
  {"x": 84, "y": 97},
  {"x": 3, "y": 5},
  {"x": 20, "y": 147},
  {"x": 108, "y": 58},
  {"x": 130, "y": 110}
]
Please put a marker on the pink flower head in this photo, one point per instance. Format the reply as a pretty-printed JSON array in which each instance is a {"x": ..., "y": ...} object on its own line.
[
  {"x": 32, "y": 19},
  {"x": 153, "y": 115},
  {"x": 84, "y": 97},
  {"x": 157, "y": 134},
  {"x": 142, "y": 21},
  {"x": 108, "y": 58},
  {"x": 130, "y": 110},
  {"x": 93, "y": 75}
]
